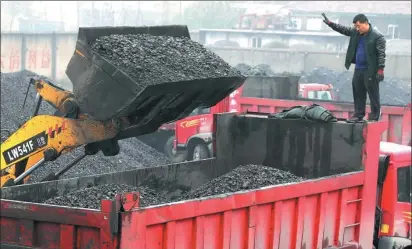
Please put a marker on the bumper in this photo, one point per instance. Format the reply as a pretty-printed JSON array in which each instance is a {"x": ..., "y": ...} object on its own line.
[{"x": 393, "y": 242}]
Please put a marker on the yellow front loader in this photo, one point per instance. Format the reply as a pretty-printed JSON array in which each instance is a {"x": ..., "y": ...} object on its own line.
[{"x": 106, "y": 105}]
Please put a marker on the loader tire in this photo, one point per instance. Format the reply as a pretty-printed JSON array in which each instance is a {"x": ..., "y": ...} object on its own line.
[
  {"x": 172, "y": 154},
  {"x": 200, "y": 152}
]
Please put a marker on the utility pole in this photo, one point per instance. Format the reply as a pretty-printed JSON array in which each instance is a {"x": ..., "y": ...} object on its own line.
[
  {"x": 112, "y": 13},
  {"x": 139, "y": 14},
  {"x": 78, "y": 13},
  {"x": 61, "y": 12},
  {"x": 180, "y": 12},
  {"x": 123, "y": 14},
  {"x": 92, "y": 14}
]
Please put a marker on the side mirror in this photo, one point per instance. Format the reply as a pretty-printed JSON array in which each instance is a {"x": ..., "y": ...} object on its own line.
[{"x": 383, "y": 169}]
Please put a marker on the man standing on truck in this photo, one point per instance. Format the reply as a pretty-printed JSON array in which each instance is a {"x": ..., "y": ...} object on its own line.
[{"x": 367, "y": 51}]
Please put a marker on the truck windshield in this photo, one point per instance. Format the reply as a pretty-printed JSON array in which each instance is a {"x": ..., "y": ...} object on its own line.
[
  {"x": 404, "y": 184},
  {"x": 323, "y": 95},
  {"x": 200, "y": 111}
]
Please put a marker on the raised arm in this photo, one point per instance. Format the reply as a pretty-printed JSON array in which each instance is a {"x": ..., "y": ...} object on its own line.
[{"x": 344, "y": 30}]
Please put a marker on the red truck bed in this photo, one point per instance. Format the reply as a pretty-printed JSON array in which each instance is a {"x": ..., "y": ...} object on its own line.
[{"x": 327, "y": 210}]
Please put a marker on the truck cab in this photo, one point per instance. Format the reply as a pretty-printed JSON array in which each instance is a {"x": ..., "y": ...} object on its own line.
[
  {"x": 394, "y": 201},
  {"x": 317, "y": 91}
]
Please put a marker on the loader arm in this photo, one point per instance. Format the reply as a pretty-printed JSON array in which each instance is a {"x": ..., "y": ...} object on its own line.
[{"x": 46, "y": 137}]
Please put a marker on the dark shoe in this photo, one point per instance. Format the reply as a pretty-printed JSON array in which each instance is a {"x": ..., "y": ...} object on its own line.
[
  {"x": 374, "y": 118},
  {"x": 355, "y": 120}
]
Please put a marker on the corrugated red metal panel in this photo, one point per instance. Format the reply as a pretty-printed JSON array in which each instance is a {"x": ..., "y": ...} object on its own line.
[
  {"x": 397, "y": 117},
  {"x": 53, "y": 227},
  {"x": 312, "y": 214}
]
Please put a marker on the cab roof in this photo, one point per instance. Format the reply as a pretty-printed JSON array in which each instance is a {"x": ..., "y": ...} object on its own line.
[
  {"x": 397, "y": 152},
  {"x": 315, "y": 85}
]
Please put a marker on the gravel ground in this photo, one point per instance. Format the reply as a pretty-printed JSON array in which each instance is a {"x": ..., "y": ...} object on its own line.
[
  {"x": 133, "y": 153},
  {"x": 242, "y": 178},
  {"x": 151, "y": 60},
  {"x": 393, "y": 91},
  {"x": 90, "y": 197}
]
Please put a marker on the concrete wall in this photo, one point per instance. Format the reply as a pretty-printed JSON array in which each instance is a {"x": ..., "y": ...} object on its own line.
[{"x": 49, "y": 54}]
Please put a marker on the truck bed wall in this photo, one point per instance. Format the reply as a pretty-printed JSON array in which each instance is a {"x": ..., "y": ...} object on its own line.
[
  {"x": 296, "y": 215},
  {"x": 398, "y": 118},
  {"x": 305, "y": 148}
]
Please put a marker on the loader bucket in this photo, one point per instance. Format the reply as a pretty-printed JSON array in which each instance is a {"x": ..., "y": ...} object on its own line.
[
  {"x": 104, "y": 91},
  {"x": 272, "y": 87}
]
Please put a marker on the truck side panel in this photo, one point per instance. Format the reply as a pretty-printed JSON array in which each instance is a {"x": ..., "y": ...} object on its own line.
[
  {"x": 397, "y": 117},
  {"x": 310, "y": 215},
  {"x": 41, "y": 226}
]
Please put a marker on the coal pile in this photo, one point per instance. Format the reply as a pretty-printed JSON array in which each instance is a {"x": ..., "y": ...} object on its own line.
[
  {"x": 151, "y": 60},
  {"x": 133, "y": 153},
  {"x": 393, "y": 91},
  {"x": 242, "y": 178},
  {"x": 266, "y": 68},
  {"x": 13, "y": 91},
  {"x": 260, "y": 70},
  {"x": 243, "y": 68},
  {"x": 90, "y": 197}
]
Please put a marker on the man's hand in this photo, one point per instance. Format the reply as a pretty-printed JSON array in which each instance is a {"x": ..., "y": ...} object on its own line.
[
  {"x": 326, "y": 20},
  {"x": 380, "y": 76}
]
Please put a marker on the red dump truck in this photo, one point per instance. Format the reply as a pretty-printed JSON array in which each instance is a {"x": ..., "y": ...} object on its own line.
[
  {"x": 356, "y": 195},
  {"x": 193, "y": 135},
  {"x": 164, "y": 139}
]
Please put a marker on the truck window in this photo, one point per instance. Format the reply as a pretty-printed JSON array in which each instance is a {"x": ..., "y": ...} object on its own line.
[
  {"x": 311, "y": 94},
  {"x": 404, "y": 184},
  {"x": 324, "y": 95},
  {"x": 204, "y": 111},
  {"x": 199, "y": 111}
]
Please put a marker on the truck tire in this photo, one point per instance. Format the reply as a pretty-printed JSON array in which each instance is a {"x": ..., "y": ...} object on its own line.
[
  {"x": 200, "y": 152},
  {"x": 172, "y": 154}
]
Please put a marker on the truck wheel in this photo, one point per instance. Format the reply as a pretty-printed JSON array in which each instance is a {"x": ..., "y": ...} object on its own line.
[
  {"x": 200, "y": 152},
  {"x": 172, "y": 154}
]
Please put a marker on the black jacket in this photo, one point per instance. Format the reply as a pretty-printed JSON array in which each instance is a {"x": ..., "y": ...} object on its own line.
[{"x": 375, "y": 46}]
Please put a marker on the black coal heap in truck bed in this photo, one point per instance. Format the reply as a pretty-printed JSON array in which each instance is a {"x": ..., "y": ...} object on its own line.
[{"x": 155, "y": 74}]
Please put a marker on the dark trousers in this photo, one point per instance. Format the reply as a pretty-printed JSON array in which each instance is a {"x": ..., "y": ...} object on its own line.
[{"x": 363, "y": 83}]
